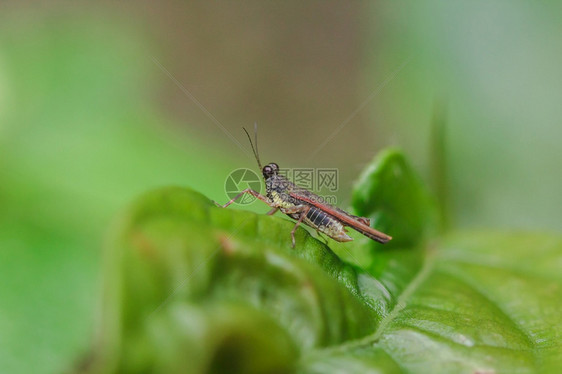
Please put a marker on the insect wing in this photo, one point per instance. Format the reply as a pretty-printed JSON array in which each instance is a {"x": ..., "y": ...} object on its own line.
[{"x": 357, "y": 223}]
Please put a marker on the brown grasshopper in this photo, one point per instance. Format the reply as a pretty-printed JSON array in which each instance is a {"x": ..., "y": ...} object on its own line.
[{"x": 305, "y": 206}]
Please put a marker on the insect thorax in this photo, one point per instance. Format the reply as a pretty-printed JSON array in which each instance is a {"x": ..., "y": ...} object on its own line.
[{"x": 277, "y": 190}]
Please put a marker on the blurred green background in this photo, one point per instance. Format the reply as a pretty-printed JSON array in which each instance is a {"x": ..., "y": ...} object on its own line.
[{"x": 95, "y": 109}]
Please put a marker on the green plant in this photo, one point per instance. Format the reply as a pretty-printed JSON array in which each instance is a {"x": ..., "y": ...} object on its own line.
[{"x": 194, "y": 287}]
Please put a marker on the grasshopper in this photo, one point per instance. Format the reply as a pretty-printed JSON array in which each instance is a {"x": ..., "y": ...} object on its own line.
[{"x": 305, "y": 206}]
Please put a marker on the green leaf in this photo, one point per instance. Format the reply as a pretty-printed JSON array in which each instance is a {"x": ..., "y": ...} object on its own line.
[
  {"x": 178, "y": 250},
  {"x": 194, "y": 286},
  {"x": 389, "y": 192},
  {"x": 470, "y": 308}
]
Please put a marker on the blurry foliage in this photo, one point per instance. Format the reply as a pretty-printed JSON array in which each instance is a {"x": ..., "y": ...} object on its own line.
[
  {"x": 78, "y": 142},
  {"x": 496, "y": 66}
]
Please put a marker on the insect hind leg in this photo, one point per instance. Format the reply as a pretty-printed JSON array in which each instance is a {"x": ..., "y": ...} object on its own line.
[{"x": 363, "y": 220}]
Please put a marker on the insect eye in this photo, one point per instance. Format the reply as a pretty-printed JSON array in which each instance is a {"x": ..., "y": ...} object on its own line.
[
  {"x": 274, "y": 166},
  {"x": 266, "y": 169}
]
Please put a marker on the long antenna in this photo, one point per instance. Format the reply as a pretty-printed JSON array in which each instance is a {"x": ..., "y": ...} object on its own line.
[{"x": 255, "y": 150}]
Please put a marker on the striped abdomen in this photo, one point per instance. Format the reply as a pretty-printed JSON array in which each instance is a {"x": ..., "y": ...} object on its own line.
[{"x": 324, "y": 223}]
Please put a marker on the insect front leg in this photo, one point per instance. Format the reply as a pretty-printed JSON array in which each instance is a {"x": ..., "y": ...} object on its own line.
[
  {"x": 273, "y": 211},
  {"x": 247, "y": 190},
  {"x": 303, "y": 211}
]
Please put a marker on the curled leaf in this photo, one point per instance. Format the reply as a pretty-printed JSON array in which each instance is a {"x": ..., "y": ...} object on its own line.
[{"x": 393, "y": 196}]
